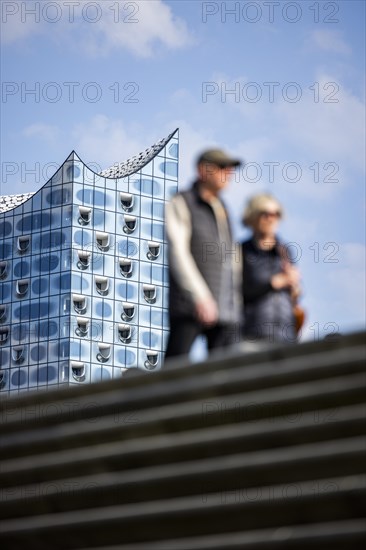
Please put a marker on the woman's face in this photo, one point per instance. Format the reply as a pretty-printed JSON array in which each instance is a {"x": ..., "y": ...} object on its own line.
[{"x": 266, "y": 221}]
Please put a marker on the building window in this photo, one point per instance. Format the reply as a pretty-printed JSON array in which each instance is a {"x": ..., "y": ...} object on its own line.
[
  {"x": 84, "y": 215},
  {"x": 82, "y": 326},
  {"x": 22, "y": 287},
  {"x": 124, "y": 333},
  {"x": 104, "y": 352},
  {"x": 78, "y": 371},
  {"x": 125, "y": 267},
  {"x": 2, "y": 379},
  {"x": 84, "y": 259},
  {"x": 79, "y": 302},
  {"x": 128, "y": 311},
  {"x": 102, "y": 240},
  {"x": 23, "y": 244},
  {"x": 4, "y": 334},
  {"x": 64, "y": 349},
  {"x": 153, "y": 250},
  {"x": 18, "y": 354},
  {"x": 149, "y": 293},
  {"x": 3, "y": 269},
  {"x": 152, "y": 358},
  {"x": 73, "y": 172},
  {"x": 130, "y": 224},
  {"x": 126, "y": 201},
  {"x": 2, "y": 313},
  {"x": 102, "y": 285},
  {"x": 65, "y": 305}
]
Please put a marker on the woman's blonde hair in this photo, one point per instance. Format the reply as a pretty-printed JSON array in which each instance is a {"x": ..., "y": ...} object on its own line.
[{"x": 258, "y": 204}]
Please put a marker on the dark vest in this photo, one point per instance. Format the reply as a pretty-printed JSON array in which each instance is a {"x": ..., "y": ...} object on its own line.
[{"x": 208, "y": 249}]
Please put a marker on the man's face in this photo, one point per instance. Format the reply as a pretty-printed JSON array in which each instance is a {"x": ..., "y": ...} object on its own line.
[{"x": 215, "y": 178}]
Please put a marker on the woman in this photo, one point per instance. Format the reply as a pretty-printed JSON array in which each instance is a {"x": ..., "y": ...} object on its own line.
[{"x": 270, "y": 280}]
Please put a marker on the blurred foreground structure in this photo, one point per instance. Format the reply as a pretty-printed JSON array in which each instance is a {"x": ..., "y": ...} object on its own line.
[{"x": 251, "y": 450}]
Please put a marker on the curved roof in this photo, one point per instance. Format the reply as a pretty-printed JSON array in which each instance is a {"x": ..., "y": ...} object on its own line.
[
  {"x": 134, "y": 164},
  {"x": 8, "y": 202},
  {"x": 121, "y": 170}
]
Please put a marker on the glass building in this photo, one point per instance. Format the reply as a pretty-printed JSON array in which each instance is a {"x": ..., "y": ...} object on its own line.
[{"x": 83, "y": 272}]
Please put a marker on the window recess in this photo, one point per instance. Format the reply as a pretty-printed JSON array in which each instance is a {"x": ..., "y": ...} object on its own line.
[
  {"x": 126, "y": 201},
  {"x": 85, "y": 215},
  {"x": 79, "y": 303},
  {"x": 102, "y": 285},
  {"x": 102, "y": 240},
  {"x": 78, "y": 370},
  {"x": 130, "y": 224},
  {"x": 104, "y": 352},
  {"x": 149, "y": 292}
]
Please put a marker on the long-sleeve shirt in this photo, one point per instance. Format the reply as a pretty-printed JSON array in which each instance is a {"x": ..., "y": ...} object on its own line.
[{"x": 202, "y": 255}]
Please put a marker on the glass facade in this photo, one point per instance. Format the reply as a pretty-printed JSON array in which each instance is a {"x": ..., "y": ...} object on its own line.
[{"x": 83, "y": 273}]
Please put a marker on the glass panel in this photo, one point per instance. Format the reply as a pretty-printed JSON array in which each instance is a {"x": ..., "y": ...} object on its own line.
[
  {"x": 5, "y": 229},
  {"x": 3, "y": 269},
  {"x": 40, "y": 286},
  {"x": 128, "y": 247},
  {"x": 174, "y": 150},
  {"x": 2, "y": 313},
  {"x": 19, "y": 378},
  {"x": 158, "y": 230},
  {"x": 170, "y": 168}
]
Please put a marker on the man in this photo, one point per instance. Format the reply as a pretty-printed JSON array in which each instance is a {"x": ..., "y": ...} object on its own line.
[{"x": 201, "y": 260}]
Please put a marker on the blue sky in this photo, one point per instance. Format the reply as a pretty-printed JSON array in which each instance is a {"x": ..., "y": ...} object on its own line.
[{"x": 281, "y": 84}]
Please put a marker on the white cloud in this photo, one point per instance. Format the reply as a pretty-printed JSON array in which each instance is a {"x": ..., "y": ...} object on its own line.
[
  {"x": 191, "y": 142},
  {"x": 238, "y": 93},
  {"x": 17, "y": 24},
  {"x": 329, "y": 41},
  {"x": 329, "y": 126},
  {"x": 327, "y": 121},
  {"x": 96, "y": 28},
  {"x": 45, "y": 132},
  {"x": 106, "y": 141},
  {"x": 155, "y": 26}
]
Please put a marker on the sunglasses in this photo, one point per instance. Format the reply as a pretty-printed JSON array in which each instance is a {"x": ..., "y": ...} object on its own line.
[{"x": 265, "y": 214}]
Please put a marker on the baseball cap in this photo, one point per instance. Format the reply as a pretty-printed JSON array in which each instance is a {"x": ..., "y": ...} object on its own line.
[{"x": 218, "y": 157}]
